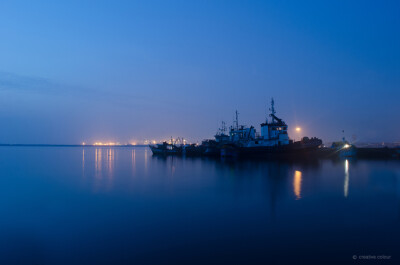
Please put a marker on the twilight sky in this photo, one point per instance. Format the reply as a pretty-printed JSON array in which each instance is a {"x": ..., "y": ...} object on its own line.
[{"x": 73, "y": 71}]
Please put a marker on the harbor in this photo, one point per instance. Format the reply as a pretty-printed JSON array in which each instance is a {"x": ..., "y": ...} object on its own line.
[
  {"x": 240, "y": 141},
  {"x": 199, "y": 132}
]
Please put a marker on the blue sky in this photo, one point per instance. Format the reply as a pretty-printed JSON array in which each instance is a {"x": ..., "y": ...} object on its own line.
[{"x": 73, "y": 71}]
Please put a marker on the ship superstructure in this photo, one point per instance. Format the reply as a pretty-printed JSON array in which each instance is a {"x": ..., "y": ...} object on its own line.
[
  {"x": 273, "y": 132},
  {"x": 240, "y": 134},
  {"x": 221, "y": 135},
  {"x": 272, "y": 142}
]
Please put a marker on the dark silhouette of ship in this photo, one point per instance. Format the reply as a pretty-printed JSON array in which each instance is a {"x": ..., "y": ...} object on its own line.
[
  {"x": 242, "y": 141},
  {"x": 273, "y": 142}
]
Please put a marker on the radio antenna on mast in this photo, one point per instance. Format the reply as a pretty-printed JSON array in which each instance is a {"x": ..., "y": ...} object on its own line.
[
  {"x": 237, "y": 120},
  {"x": 272, "y": 109}
]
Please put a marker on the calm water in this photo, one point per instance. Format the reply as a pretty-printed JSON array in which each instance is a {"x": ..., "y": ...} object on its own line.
[{"x": 73, "y": 205}]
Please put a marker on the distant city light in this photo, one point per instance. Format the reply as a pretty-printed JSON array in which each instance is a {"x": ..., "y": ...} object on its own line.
[{"x": 105, "y": 144}]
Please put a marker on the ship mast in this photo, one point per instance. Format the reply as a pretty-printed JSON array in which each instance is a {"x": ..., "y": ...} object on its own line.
[
  {"x": 272, "y": 109},
  {"x": 237, "y": 120},
  {"x": 223, "y": 127}
]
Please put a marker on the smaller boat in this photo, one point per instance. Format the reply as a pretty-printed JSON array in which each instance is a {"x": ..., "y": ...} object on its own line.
[
  {"x": 213, "y": 147},
  {"x": 166, "y": 148},
  {"x": 344, "y": 148}
]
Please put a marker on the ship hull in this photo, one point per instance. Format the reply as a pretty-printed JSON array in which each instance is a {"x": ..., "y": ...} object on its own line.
[
  {"x": 212, "y": 151},
  {"x": 193, "y": 151},
  {"x": 293, "y": 150},
  {"x": 276, "y": 152}
]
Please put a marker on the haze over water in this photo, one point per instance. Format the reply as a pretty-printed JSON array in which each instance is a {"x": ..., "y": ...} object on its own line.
[
  {"x": 126, "y": 71},
  {"x": 74, "y": 205}
]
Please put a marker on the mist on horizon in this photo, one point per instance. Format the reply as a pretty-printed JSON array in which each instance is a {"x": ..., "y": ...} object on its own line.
[{"x": 127, "y": 71}]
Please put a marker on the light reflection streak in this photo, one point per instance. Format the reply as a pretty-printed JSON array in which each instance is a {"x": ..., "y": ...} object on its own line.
[
  {"x": 110, "y": 168},
  {"x": 346, "y": 178},
  {"x": 145, "y": 161},
  {"x": 297, "y": 184},
  {"x": 172, "y": 166},
  {"x": 110, "y": 160},
  {"x": 83, "y": 162},
  {"x": 98, "y": 162},
  {"x": 133, "y": 162},
  {"x": 104, "y": 179}
]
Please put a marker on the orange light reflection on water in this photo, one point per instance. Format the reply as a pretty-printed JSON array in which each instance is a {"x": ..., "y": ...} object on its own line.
[{"x": 297, "y": 184}]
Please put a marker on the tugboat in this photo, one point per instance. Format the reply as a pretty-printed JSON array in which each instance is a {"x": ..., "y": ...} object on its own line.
[{"x": 273, "y": 142}]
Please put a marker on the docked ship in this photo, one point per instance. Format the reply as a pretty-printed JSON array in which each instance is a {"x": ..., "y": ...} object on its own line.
[
  {"x": 166, "y": 148},
  {"x": 176, "y": 147},
  {"x": 273, "y": 142},
  {"x": 344, "y": 148},
  {"x": 212, "y": 147}
]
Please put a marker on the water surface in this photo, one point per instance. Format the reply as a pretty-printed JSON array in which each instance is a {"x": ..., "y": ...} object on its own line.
[{"x": 74, "y": 205}]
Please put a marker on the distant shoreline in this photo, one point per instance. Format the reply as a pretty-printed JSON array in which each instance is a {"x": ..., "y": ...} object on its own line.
[
  {"x": 74, "y": 145},
  {"x": 358, "y": 145}
]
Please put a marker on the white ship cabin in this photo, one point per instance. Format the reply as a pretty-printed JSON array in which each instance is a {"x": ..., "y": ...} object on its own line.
[{"x": 273, "y": 133}]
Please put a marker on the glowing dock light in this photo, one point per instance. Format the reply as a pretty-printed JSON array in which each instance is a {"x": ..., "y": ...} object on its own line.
[
  {"x": 298, "y": 130},
  {"x": 346, "y": 146}
]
